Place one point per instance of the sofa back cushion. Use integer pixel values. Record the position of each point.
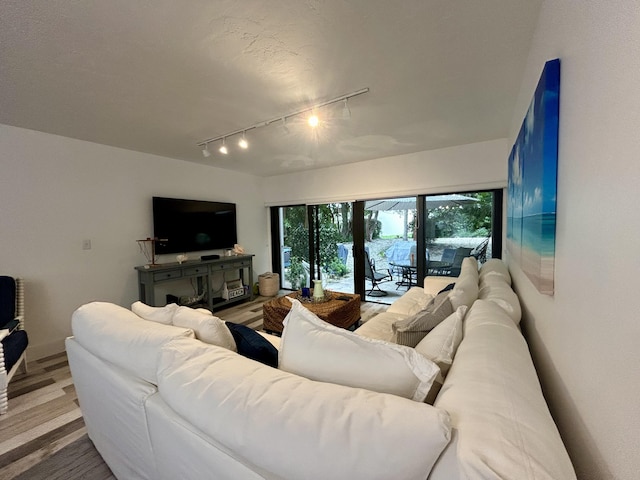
(496, 289)
(465, 290)
(294, 427)
(315, 349)
(119, 336)
(492, 392)
(495, 267)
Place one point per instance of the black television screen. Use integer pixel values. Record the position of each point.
(193, 225)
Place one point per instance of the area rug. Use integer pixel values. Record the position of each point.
(77, 461)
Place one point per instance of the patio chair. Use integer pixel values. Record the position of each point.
(442, 266)
(12, 335)
(480, 252)
(461, 254)
(374, 277)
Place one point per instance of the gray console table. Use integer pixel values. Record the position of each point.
(202, 270)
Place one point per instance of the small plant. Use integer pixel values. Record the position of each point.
(296, 274)
(337, 268)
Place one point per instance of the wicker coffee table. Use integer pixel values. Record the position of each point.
(340, 309)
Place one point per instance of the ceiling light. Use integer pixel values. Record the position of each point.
(313, 121)
(205, 151)
(285, 129)
(243, 142)
(346, 113)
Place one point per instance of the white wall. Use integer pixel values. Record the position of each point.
(467, 167)
(586, 338)
(55, 192)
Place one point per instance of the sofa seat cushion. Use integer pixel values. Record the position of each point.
(434, 284)
(294, 427)
(380, 327)
(411, 302)
(317, 350)
(119, 336)
(492, 393)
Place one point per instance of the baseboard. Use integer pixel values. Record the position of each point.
(37, 352)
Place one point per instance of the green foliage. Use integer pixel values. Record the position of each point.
(296, 274)
(470, 220)
(296, 236)
(337, 268)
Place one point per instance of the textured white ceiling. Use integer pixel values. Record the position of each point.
(160, 76)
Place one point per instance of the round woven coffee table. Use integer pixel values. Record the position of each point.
(339, 309)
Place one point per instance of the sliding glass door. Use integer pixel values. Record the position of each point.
(381, 248)
(461, 225)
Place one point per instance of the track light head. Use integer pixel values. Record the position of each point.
(243, 142)
(346, 113)
(223, 148)
(285, 129)
(205, 151)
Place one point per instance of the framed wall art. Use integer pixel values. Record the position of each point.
(532, 184)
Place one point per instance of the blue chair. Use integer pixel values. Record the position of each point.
(13, 337)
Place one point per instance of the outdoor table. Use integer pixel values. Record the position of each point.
(409, 271)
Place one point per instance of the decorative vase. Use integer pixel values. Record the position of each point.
(318, 292)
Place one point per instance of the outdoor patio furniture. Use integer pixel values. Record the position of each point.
(461, 254)
(375, 277)
(409, 274)
(480, 252)
(442, 266)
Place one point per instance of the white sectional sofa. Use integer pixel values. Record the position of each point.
(161, 404)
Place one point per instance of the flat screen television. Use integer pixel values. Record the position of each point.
(193, 225)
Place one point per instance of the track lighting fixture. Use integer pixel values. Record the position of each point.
(205, 151)
(346, 113)
(285, 129)
(243, 142)
(313, 122)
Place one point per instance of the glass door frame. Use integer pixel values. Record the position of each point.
(358, 231)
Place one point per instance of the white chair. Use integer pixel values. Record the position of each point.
(13, 337)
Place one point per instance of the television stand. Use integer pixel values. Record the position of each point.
(240, 265)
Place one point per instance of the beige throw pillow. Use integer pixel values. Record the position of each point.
(409, 331)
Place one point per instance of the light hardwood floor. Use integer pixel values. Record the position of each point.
(44, 415)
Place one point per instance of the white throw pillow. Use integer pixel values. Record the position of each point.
(319, 351)
(208, 329)
(162, 315)
(441, 343)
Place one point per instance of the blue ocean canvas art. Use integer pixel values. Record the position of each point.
(532, 185)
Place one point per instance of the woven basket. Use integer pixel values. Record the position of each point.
(269, 284)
